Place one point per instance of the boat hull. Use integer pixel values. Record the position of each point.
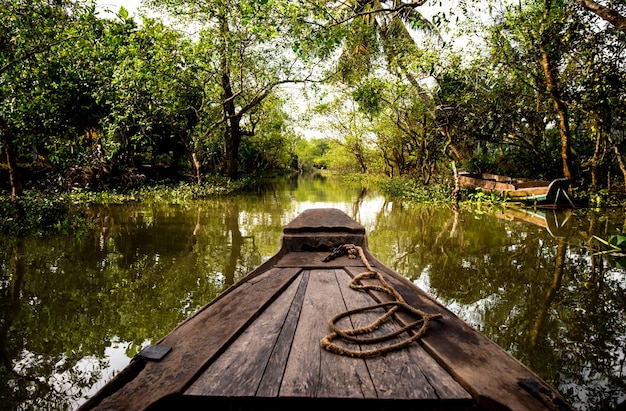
(536, 192)
(259, 345)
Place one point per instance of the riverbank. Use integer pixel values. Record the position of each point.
(50, 208)
(42, 210)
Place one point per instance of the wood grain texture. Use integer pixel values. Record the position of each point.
(239, 370)
(315, 260)
(312, 371)
(275, 370)
(409, 373)
(482, 367)
(257, 345)
(196, 342)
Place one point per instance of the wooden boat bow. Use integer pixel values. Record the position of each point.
(257, 345)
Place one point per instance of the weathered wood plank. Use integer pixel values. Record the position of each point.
(312, 371)
(316, 220)
(482, 367)
(275, 370)
(410, 373)
(238, 371)
(196, 342)
(315, 260)
(287, 362)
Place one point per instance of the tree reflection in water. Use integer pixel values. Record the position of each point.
(76, 308)
(548, 300)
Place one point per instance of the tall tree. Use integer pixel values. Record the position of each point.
(249, 49)
(38, 82)
(151, 93)
(383, 29)
(348, 128)
(534, 39)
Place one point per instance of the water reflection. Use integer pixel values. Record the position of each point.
(541, 294)
(76, 309)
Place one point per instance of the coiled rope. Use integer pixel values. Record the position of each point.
(417, 327)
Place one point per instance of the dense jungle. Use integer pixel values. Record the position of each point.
(140, 147)
(98, 100)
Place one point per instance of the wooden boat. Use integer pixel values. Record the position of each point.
(259, 344)
(536, 192)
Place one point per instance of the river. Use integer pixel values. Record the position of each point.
(76, 308)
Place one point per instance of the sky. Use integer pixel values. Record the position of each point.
(114, 5)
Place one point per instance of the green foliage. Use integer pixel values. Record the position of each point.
(369, 96)
(79, 93)
(615, 247)
(45, 82)
(480, 203)
(414, 191)
(39, 213)
(181, 192)
(311, 153)
(272, 145)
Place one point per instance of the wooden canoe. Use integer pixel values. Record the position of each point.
(257, 345)
(536, 192)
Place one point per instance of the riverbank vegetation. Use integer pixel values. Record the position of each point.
(209, 91)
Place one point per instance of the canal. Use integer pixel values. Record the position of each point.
(76, 308)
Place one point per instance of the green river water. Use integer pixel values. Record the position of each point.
(76, 309)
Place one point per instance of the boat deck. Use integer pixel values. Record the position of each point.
(257, 346)
(283, 356)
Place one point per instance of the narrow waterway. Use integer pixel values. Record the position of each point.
(76, 309)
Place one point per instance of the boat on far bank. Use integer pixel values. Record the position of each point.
(555, 193)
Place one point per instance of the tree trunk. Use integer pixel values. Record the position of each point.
(618, 154)
(198, 166)
(561, 109)
(232, 167)
(233, 133)
(456, 192)
(595, 160)
(15, 173)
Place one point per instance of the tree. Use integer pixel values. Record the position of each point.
(550, 49)
(272, 147)
(311, 152)
(40, 83)
(533, 38)
(384, 29)
(611, 14)
(249, 52)
(348, 128)
(405, 136)
(151, 94)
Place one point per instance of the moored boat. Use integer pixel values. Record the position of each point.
(535, 192)
(324, 323)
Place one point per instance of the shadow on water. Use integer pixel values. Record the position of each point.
(75, 309)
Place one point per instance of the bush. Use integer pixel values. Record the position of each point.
(415, 191)
(37, 213)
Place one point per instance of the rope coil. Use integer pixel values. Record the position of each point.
(418, 327)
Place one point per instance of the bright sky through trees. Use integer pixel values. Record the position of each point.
(114, 5)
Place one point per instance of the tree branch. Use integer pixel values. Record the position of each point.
(606, 13)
